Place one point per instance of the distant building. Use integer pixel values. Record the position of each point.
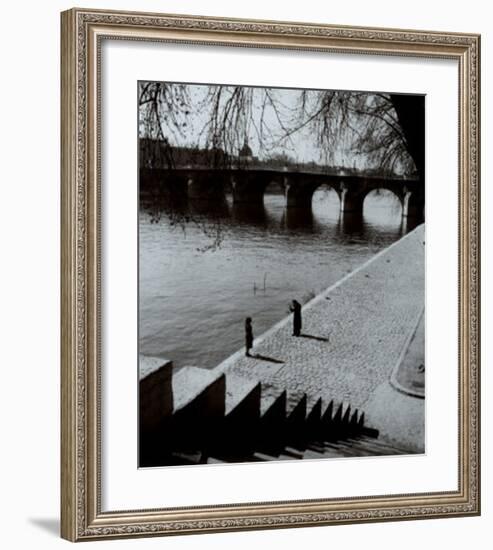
(245, 154)
(158, 154)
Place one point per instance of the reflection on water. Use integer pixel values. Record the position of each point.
(298, 219)
(194, 296)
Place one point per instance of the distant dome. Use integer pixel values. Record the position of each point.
(246, 151)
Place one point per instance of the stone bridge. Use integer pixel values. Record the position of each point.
(248, 185)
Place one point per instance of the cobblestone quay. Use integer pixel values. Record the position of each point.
(353, 333)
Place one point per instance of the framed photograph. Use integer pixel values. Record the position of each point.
(270, 274)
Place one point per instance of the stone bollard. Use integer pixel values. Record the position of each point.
(347, 415)
(155, 392)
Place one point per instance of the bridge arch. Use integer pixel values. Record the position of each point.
(383, 198)
(411, 201)
(250, 187)
(326, 201)
(299, 194)
(205, 185)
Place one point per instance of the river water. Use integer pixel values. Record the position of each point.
(198, 281)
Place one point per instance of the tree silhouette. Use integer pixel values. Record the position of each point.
(386, 129)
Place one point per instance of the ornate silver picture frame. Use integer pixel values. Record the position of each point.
(83, 516)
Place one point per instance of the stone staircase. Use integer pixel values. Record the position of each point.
(222, 417)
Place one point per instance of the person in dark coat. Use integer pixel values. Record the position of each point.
(295, 308)
(248, 336)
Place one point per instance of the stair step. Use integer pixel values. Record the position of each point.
(348, 450)
(212, 460)
(187, 457)
(335, 448)
(313, 454)
(149, 365)
(239, 389)
(379, 443)
(298, 448)
(295, 403)
(314, 411)
(336, 453)
(383, 448)
(284, 456)
(269, 396)
(371, 448)
(294, 452)
(332, 451)
(316, 448)
(155, 392)
(263, 456)
(191, 382)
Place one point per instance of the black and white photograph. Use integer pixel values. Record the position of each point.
(281, 274)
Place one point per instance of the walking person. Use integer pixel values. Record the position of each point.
(248, 336)
(295, 308)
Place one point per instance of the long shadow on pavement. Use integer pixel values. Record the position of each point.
(312, 337)
(265, 358)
